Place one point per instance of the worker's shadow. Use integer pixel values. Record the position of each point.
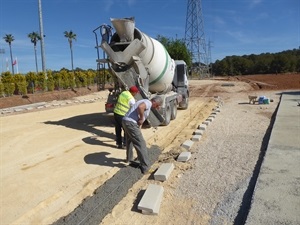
(91, 123)
(100, 158)
(94, 140)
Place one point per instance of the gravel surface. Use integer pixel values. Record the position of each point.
(227, 160)
(216, 185)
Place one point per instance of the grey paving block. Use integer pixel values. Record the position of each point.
(18, 109)
(187, 144)
(164, 171)
(210, 119)
(216, 97)
(198, 132)
(151, 200)
(7, 111)
(206, 122)
(184, 156)
(202, 127)
(196, 137)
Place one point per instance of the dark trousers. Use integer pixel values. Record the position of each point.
(118, 129)
(134, 137)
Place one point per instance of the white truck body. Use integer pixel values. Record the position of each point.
(137, 59)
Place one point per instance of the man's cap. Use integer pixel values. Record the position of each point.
(134, 89)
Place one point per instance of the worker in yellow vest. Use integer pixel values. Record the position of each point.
(125, 101)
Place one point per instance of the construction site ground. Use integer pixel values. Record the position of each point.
(54, 157)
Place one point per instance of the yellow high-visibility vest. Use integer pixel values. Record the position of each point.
(122, 105)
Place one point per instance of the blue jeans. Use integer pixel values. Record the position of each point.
(135, 138)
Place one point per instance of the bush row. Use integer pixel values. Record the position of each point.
(31, 82)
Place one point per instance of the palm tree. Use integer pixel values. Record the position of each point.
(9, 39)
(70, 35)
(35, 37)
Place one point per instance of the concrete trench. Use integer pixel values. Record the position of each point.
(93, 209)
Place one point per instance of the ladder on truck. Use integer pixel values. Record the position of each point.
(101, 62)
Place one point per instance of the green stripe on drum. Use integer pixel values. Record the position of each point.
(164, 70)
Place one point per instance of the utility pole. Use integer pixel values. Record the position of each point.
(195, 38)
(2, 52)
(42, 37)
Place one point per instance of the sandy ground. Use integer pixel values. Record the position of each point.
(48, 166)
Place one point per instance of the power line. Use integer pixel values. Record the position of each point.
(195, 38)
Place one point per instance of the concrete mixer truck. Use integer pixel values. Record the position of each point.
(137, 59)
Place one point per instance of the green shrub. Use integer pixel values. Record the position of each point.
(50, 82)
(1, 89)
(20, 84)
(41, 83)
(8, 83)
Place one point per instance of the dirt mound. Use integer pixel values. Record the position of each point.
(272, 81)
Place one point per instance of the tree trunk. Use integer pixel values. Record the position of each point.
(12, 62)
(36, 64)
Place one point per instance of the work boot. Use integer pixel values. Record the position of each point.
(120, 146)
(134, 163)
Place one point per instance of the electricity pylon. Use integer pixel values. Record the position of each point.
(195, 38)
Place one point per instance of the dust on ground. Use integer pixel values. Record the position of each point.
(84, 157)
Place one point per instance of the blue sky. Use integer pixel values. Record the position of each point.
(234, 27)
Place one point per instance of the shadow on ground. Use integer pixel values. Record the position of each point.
(102, 159)
(91, 123)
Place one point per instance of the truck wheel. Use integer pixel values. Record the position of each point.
(167, 115)
(173, 110)
(185, 103)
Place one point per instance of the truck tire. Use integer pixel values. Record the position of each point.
(185, 103)
(173, 110)
(167, 115)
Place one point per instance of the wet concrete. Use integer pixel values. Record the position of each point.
(93, 209)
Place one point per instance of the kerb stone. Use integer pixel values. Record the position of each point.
(164, 171)
(184, 156)
(196, 137)
(151, 200)
(187, 144)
